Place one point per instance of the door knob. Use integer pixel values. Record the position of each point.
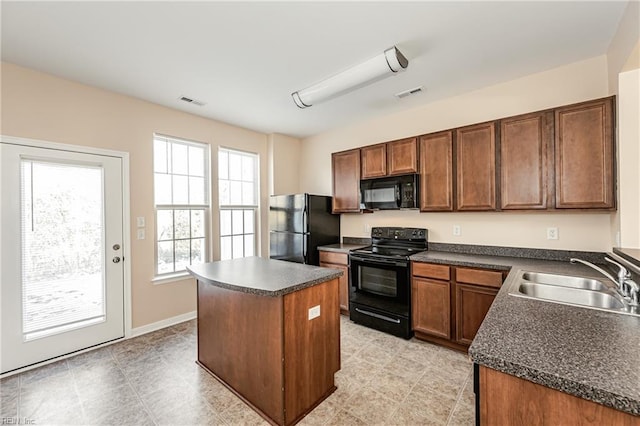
(116, 246)
(116, 259)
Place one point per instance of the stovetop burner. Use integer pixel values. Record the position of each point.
(393, 242)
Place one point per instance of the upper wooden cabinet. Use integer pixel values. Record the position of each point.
(436, 172)
(584, 155)
(526, 158)
(345, 167)
(476, 167)
(402, 157)
(374, 161)
(392, 158)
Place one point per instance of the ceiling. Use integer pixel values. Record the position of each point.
(244, 59)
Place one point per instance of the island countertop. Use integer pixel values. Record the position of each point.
(260, 276)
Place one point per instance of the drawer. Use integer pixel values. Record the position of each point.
(430, 270)
(334, 257)
(479, 276)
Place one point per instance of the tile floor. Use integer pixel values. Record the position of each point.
(153, 380)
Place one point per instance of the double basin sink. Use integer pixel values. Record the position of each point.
(571, 290)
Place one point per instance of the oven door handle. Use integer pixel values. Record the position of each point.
(378, 261)
(382, 317)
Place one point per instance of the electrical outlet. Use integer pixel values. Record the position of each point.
(552, 233)
(457, 231)
(367, 228)
(141, 234)
(314, 312)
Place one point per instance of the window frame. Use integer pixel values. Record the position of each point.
(231, 207)
(205, 207)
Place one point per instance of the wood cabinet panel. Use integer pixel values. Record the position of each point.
(584, 155)
(479, 277)
(251, 358)
(509, 400)
(402, 157)
(339, 261)
(345, 168)
(314, 367)
(476, 167)
(374, 161)
(430, 270)
(431, 307)
(525, 152)
(472, 304)
(436, 172)
(334, 257)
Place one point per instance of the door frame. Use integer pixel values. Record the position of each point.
(126, 219)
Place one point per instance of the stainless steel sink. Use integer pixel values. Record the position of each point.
(557, 293)
(571, 290)
(564, 280)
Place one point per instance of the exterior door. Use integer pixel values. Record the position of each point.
(62, 275)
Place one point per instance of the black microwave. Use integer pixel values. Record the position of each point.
(389, 193)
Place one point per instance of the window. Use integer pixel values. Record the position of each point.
(238, 197)
(181, 174)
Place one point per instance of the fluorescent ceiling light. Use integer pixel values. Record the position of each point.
(383, 65)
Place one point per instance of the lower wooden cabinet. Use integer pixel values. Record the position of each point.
(335, 260)
(431, 307)
(509, 400)
(449, 303)
(472, 304)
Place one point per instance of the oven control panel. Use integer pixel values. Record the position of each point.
(396, 233)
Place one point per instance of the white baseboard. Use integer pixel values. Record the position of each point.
(139, 331)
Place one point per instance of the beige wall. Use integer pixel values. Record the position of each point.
(568, 84)
(629, 158)
(623, 55)
(284, 155)
(623, 43)
(41, 106)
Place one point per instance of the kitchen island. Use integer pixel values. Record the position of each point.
(269, 330)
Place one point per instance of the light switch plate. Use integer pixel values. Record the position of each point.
(140, 221)
(314, 312)
(141, 234)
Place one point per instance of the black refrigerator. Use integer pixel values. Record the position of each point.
(298, 224)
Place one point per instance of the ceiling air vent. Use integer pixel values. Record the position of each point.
(191, 101)
(409, 92)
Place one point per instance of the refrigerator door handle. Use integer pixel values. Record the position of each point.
(304, 249)
(305, 212)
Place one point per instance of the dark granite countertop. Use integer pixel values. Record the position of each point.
(630, 254)
(265, 277)
(341, 247)
(584, 352)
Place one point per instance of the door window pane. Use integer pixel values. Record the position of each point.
(62, 228)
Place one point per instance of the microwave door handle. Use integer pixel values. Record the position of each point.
(398, 198)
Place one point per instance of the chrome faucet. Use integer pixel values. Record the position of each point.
(628, 288)
(599, 269)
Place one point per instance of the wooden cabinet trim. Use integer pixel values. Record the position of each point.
(402, 157)
(436, 171)
(526, 145)
(345, 168)
(334, 257)
(585, 172)
(476, 167)
(431, 270)
(469, 316)
(479, 277)
(374, 161)
(431, 307)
